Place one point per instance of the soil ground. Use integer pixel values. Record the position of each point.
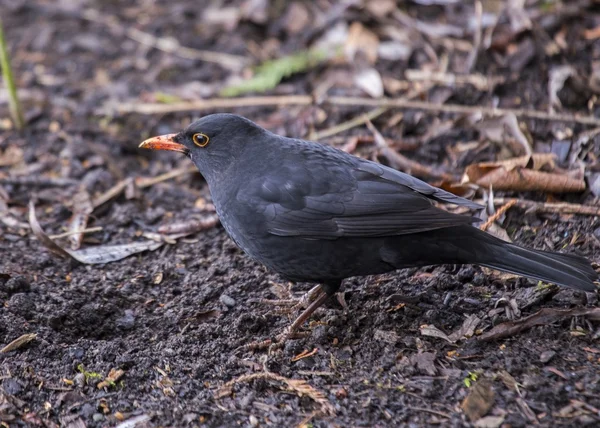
(176, 320)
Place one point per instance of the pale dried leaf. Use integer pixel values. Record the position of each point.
(394, 50)
(556, 81)
(369, 80)
(505, 129)
(489, 422)
(433, 331)
(95, 255)
(466, 330)
(81, 208)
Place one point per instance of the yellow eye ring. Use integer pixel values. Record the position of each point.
(200, 139)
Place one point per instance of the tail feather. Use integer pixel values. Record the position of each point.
(563, 269)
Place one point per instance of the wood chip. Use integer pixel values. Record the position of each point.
(18, 342)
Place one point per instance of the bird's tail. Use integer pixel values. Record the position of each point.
(562, 269)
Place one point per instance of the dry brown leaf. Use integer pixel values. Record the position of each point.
(11, 156)
(360, 39)
(479, 401)
(524, 174)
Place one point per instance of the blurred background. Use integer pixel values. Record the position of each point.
(492, 100)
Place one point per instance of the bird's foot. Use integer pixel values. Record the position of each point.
(316, 297)
(291, 305)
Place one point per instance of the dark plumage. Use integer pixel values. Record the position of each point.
(316, 214)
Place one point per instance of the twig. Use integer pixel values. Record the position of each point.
(498, 214)
(142, 182)
(550, 207)
(460, 109)
(480, 81)
(18, 342)
(472, 59)
(169, 45)
(34, 180)
(344, 126)
(13, 101)
(432, 411)
(208, 104)
(402, 162)
(75, 232)
(287, 100)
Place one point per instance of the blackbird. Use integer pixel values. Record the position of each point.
(314, 213)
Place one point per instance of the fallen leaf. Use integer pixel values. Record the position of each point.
(11, 156)
(556, 81)
(505, 130)
(360, 39)
(424, 362)
(524, 174)
(94, 255)
(489, 422)
(369, 80)
(433, 331)
(466, 330)
(479, 401)
(81, 208)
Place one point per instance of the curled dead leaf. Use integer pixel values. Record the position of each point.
(525, 173)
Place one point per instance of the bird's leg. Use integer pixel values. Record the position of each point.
(318, 295)
(321, 297)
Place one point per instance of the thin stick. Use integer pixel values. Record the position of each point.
(287, 100)
(75, 232)
(550, 207)
(344, 126)
(13, 101)
(498, 214)
(169, 45)
(208, 104)
(143, 182)
(460, 109)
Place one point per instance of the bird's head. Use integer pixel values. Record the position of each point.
(213, 143)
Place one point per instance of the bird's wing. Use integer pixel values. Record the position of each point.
(348, 199)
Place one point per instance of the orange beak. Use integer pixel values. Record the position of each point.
(164, 142)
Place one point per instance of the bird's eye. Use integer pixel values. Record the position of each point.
(200, 140)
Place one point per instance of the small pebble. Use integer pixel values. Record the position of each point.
(127, 321)
(227, 301)
(79, 380)
(547, 356)
(253, 421)
(97, 417)
(11, 386)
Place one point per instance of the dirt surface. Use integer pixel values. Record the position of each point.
(177, 320)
